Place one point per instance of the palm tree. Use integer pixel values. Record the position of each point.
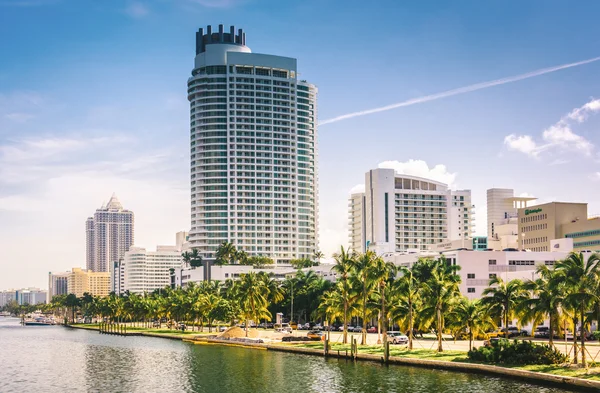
(383, 273)
(470, 314)
(318, 256)
(363, 276)
(440, 291)
(187, 258)
(405, 295)
(581, 280)
(343, 268)
(503, 298)
(226, 254)
(253, 298)
(545, 302)
(331, 306)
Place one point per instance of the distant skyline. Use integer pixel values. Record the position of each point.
(93, 101)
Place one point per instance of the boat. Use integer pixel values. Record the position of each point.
(40, 321)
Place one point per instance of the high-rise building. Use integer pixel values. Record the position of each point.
(57, 284)
(109, 234)
(401, 212)
(31, 296)
(253, 150)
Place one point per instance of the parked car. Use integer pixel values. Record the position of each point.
(514, 331)
(284, 328)
(397, 338)
(372, 329)
(222, 328)
(315, 335)
(305, 326)
(156, 324)
(542, 332)
(357, 329)
(568, 335)
(318, 326)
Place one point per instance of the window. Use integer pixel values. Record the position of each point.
(492, 262)
(492, 275)
(471, 275)
(471, 290)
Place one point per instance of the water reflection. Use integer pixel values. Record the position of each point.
(55, 359)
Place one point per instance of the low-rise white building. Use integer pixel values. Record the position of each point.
(146, 271)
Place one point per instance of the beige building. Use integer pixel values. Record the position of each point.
(585, 234)
(539, 224)
(82, 281)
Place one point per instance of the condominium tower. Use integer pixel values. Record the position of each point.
(109, 234)
(400, 212)
(253, 150)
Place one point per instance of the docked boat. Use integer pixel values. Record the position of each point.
(40, 321)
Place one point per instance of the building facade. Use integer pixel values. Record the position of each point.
(109, 234)
(7, 297)
(502, 217)
(58, 284)
(480, 243)
(401, 212)
(28, 296)
(82, 281)
(146, 271)
(253, 150)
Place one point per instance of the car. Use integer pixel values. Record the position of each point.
(156, 324)
(397, 338)
(318, 326)
(181, 326)
(542, 332)
(357, 329)
(283, 328)
(372, 329)
(514, 331)
(349, 328)
(223, 328)
(305, 326)
(568, 335)
(315, 335)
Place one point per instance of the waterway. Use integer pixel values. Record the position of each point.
(58, 359)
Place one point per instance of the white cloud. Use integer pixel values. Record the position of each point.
(522, 143)
(137, 10)
(19, 117)
(421, 169)
(357, 189)
(559, 136)
(595, 176)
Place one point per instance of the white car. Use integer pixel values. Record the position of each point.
(397, 338)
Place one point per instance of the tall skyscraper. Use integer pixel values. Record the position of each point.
(397, 213)
(253, 150)
(109, 234)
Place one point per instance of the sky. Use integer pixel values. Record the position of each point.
(93, 101)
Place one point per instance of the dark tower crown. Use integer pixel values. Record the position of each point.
(218, 38)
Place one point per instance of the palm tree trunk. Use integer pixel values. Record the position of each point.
(575, 354)
(551, 327)
(345, 322)
(506, 319)
(583, 360)
(470, 339)
(383, 318)
(363, 340)
(439, 328)
(410, 326)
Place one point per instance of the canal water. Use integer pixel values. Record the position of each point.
(57, 359)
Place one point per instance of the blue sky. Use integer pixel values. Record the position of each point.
(93, 101)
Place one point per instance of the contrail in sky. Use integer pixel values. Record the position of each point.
(460, 90)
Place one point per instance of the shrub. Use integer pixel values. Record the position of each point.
(517, 353)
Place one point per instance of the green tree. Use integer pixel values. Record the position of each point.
(440, 290)
(472, 316)
(405, 297)
(226, 254)
(365, 282)
(343, 268)
(503, 299)
(253, 298)
(581, 278)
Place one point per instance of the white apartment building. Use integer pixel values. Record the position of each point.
(502, 218)
(145, 271)
(253, 150)
(109, 234)
(401, 212)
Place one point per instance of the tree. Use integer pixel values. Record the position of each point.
(72, 302)
(405, 295)
(547, 295)
(581, 280)
(195, 258)
(363, 276)
(226, 254)
(318, 256)
(440, 290)
(301, 263)
(383, 273)
(503, 298)
(253, 299)
(472, 316)
(187, 258)
(343, 268)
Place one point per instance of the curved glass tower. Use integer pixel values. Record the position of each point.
(253, 150)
